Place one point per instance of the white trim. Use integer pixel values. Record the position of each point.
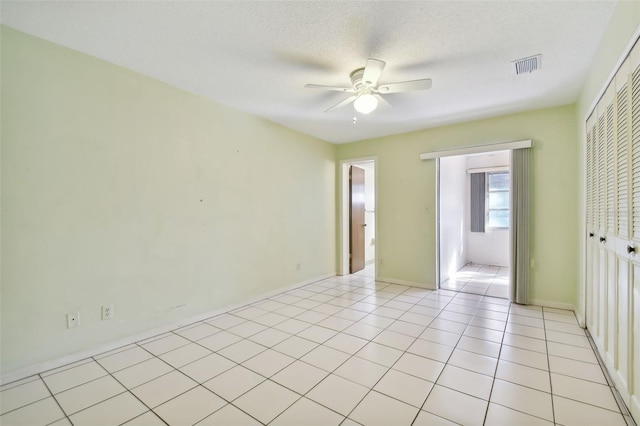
(40, 367)
(635, 406)
(614, 71)
(489, 169)
(478, 149)
(343, 267)
(437, 200)
(343, 208)
(553, 304)
(409, 283)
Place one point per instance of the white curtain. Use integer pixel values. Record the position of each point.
(519, 273)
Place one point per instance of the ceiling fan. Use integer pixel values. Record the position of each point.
(366, 91)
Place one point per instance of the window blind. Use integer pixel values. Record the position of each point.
(477, 201)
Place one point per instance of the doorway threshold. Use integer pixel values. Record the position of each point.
(485, 280)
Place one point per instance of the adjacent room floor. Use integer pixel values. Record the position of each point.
(486, 280)
(342, 351)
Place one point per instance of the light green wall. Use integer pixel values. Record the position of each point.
(624, 22)
(119, 189)
(406, 196)
(103, 171)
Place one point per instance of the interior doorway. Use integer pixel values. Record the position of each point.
(357, 219)
(474, 223)
(358, 234)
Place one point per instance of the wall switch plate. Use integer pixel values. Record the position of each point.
(107, 312)
(73, 319)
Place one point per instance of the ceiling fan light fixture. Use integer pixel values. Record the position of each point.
(365, 103)
(366, 93)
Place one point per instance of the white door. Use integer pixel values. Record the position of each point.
(633, 332)
(613, 229)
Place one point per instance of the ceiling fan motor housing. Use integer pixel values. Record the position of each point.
(356, 79)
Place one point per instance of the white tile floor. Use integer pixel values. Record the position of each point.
(343, 351)
(474, 278)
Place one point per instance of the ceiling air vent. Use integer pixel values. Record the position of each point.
(525, 65)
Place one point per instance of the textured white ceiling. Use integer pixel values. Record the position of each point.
(257, 56)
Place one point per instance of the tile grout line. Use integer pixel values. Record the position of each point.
(201, 384)
(332, 371)
(396, 361)
(32, 402)
(127, 390)
(173, 369)
(296, 359)
(440, 374)
(549, 371)
(188, 390)
(495, 372)
(622, 407)
(447, 362)
(370, 388)
(55, 399)
(371, 341)
(546, 344)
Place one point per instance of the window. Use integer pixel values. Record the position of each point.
(498, 195)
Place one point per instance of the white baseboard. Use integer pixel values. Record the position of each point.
(635, 407)
(552, 304)
(610, 364)
(30, 370)
(582, 321)
(404, 282)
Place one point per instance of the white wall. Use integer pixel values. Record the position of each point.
(118, 189)
(370, 214)
(453, 215)
(492, 246)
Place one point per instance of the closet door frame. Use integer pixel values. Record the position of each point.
(612, 219)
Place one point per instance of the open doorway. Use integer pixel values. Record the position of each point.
(358, 217)
(474, 227)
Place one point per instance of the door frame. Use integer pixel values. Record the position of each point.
(438, 215)
(477, 149)
(343, 208)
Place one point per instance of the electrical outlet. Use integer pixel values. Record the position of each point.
(107, 312)
(73, 319)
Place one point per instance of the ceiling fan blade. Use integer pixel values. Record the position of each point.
(342, 103)
(372, 71)
(405, 86)
(334, 88)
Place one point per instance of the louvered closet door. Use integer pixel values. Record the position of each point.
(608, 227)
(619, 353)
(593, 311)
(634, 219)
(613, 229)
(602, 254)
